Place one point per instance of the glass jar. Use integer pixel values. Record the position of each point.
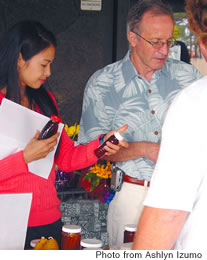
(50, 128)
(91, 243)
(71, 236)
(114, 139)
(129, 232)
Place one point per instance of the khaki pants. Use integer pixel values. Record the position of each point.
(125, 208)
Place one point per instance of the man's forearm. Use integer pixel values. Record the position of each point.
(158, 228)
(136, 150)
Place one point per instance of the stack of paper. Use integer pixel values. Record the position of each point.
(18, 126)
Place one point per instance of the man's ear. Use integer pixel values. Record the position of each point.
(20, 61)
(132, 37)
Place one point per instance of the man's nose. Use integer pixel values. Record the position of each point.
(164, 49)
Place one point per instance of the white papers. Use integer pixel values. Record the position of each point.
(18, 126)
(7, 146)
(14, 216)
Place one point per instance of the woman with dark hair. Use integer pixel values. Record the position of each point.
(184, 54)
(26, 53)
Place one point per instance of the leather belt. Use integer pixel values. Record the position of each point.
(133, 180)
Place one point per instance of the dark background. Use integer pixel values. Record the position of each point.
(87, 41)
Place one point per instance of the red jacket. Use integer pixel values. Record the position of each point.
(15, 177)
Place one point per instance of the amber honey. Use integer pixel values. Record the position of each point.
(71, 237)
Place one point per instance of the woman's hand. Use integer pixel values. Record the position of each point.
(113, 148)
(38, 149)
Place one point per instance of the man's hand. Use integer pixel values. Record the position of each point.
(136, 150)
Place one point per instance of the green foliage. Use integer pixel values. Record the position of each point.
(185, 34)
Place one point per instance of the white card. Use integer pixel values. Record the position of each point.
(15, 209)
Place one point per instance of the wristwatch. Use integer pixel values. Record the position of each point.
(101, 139)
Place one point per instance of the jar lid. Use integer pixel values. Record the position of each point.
(118, 136)
(34, 242)
(92, 248)
(91, 242)
(130, 227)
(71, 228)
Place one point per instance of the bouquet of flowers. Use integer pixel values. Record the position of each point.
(96, 179)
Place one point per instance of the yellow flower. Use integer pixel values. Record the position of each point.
(72, 131)
(100, 171)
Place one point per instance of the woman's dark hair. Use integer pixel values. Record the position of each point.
(28, 38)
(184, 55)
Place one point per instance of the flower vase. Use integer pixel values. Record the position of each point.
(65, 181)
(100, 191)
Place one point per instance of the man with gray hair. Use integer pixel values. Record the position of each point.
(136, 90)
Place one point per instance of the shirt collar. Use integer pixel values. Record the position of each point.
(129, 71)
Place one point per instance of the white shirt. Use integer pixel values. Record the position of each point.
(180, 177)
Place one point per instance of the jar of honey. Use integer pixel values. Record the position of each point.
(114, 139)
(50, 128)
(129, 232)
(71, 236)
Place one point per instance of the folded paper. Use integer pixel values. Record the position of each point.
(18, 126)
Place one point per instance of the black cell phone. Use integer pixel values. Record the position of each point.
(117, 178)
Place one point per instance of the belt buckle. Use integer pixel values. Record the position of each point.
(146, 183)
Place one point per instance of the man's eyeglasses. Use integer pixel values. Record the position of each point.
(157, 44)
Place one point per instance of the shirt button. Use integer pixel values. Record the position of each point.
(156, 132)
(153, 112)
(150, 91)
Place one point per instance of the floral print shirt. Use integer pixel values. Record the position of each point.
(118, 95)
